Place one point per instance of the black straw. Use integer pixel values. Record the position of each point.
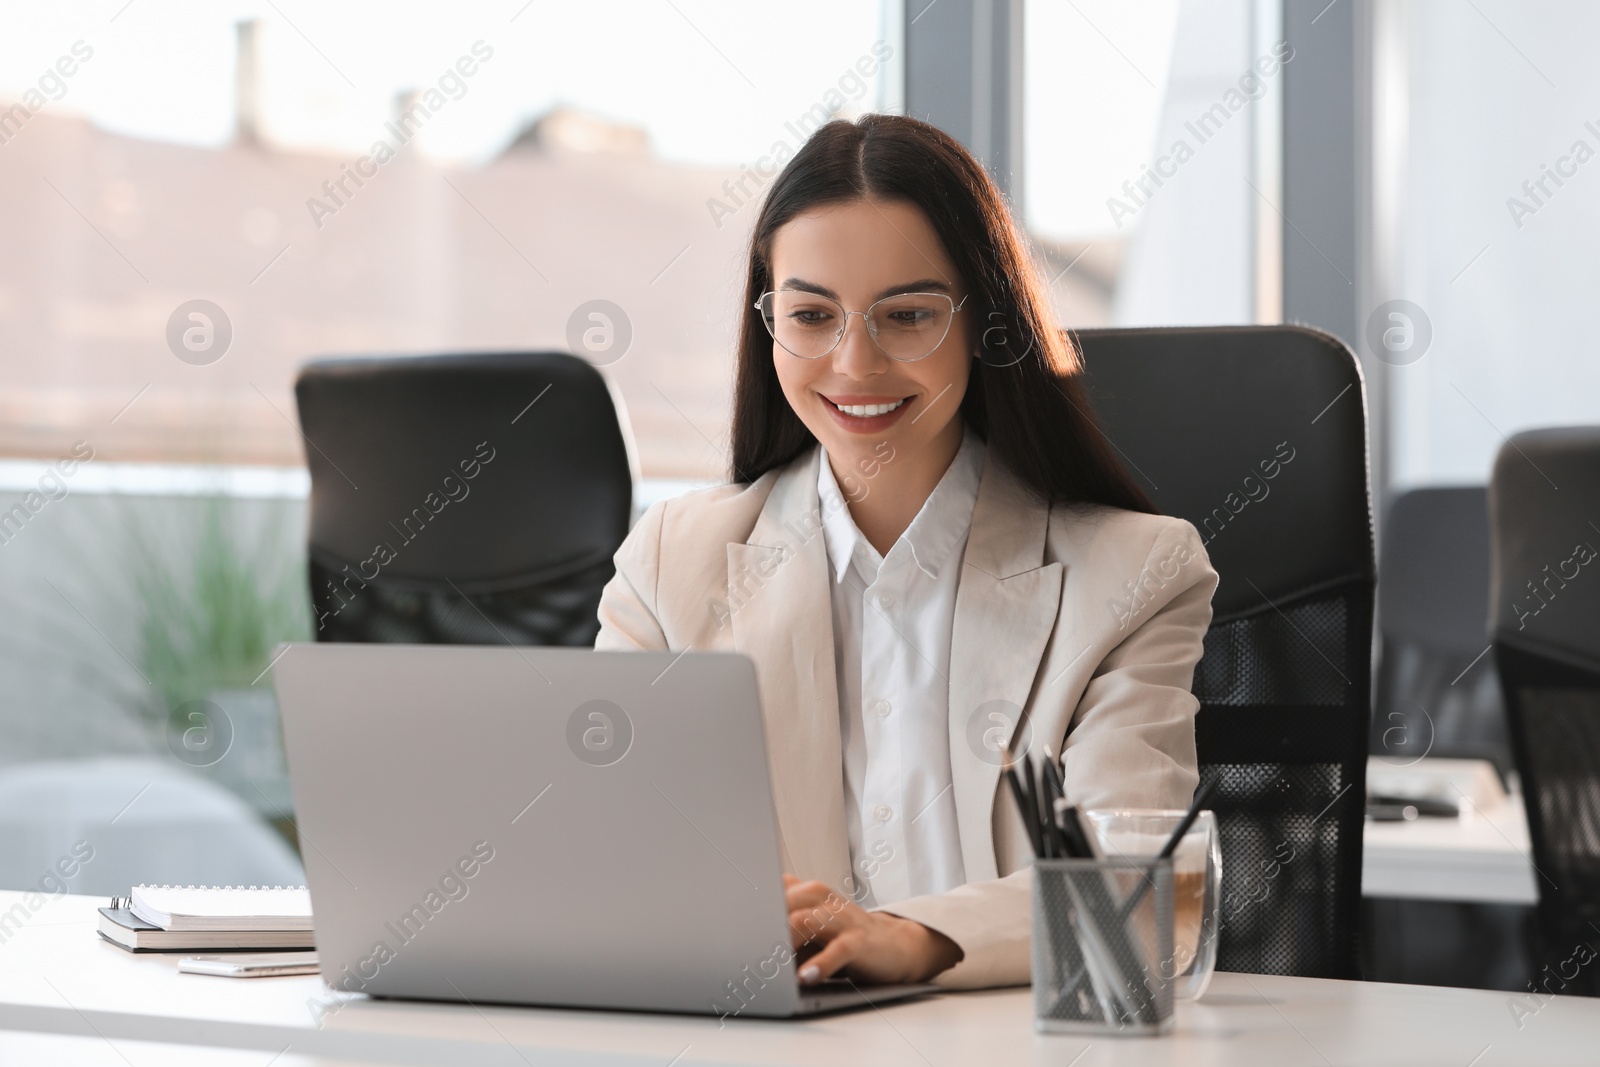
(1201, 795)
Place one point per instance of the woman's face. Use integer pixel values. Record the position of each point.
(856, 253)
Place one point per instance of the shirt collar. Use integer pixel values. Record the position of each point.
(937, 529)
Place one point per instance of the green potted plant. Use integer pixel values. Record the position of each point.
(212, 604)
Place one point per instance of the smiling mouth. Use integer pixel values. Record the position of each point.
(867, 411)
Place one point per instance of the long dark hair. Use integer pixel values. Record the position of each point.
(1025, 396)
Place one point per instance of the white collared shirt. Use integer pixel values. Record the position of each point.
(892, 620)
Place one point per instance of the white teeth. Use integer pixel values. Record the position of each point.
(867, 411)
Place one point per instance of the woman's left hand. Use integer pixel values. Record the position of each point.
(832, 935)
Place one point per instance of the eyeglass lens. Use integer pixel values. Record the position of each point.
(906, 327)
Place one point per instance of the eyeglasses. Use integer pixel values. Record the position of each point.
(907, 327)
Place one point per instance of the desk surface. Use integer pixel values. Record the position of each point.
(57, 977)
(1484, 855)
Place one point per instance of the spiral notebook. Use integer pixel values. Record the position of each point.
(222, 907)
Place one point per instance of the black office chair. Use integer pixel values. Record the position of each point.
(471, 499)
(1257, 436)
(1438, 693)
(1544, 508)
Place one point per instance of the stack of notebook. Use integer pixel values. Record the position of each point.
(161, 918)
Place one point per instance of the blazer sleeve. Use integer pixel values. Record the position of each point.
(1131, 741)
(628, 615)
(1130, 744)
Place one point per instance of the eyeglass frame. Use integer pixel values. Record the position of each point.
(866, 317)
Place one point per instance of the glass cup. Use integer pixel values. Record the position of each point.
(1197, 884)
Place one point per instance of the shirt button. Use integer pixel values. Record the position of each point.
(886, 601)
(881, 707)
(883, 812)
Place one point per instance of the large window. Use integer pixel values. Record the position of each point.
(369, 177)
(1487, 208)
(196, 198)
(1148, 128)
(1095, 75)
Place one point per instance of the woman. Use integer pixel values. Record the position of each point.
(931, 554)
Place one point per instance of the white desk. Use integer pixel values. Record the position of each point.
(57, 977)
(1482, 856)
(22, 1049)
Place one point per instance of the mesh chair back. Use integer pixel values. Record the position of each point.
(1544, 506)
(1438, 693)
(1257, 436)
(462, 499)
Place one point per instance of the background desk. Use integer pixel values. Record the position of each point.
(1483, 857)
(57, 977)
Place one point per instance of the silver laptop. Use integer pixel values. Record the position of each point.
(543, 826)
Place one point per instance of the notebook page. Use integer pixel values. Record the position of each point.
(223, 907)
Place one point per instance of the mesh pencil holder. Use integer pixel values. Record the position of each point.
(1101, 929)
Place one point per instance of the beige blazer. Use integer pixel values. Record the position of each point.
(1081, 623)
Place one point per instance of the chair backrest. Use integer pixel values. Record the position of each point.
(1544, 507)
(1438, 693)
(470, 499)
(1257, 436)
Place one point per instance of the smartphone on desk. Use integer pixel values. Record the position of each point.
(251, 965)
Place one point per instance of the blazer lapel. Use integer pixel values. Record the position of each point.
(1006, 610)
(782, 614)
